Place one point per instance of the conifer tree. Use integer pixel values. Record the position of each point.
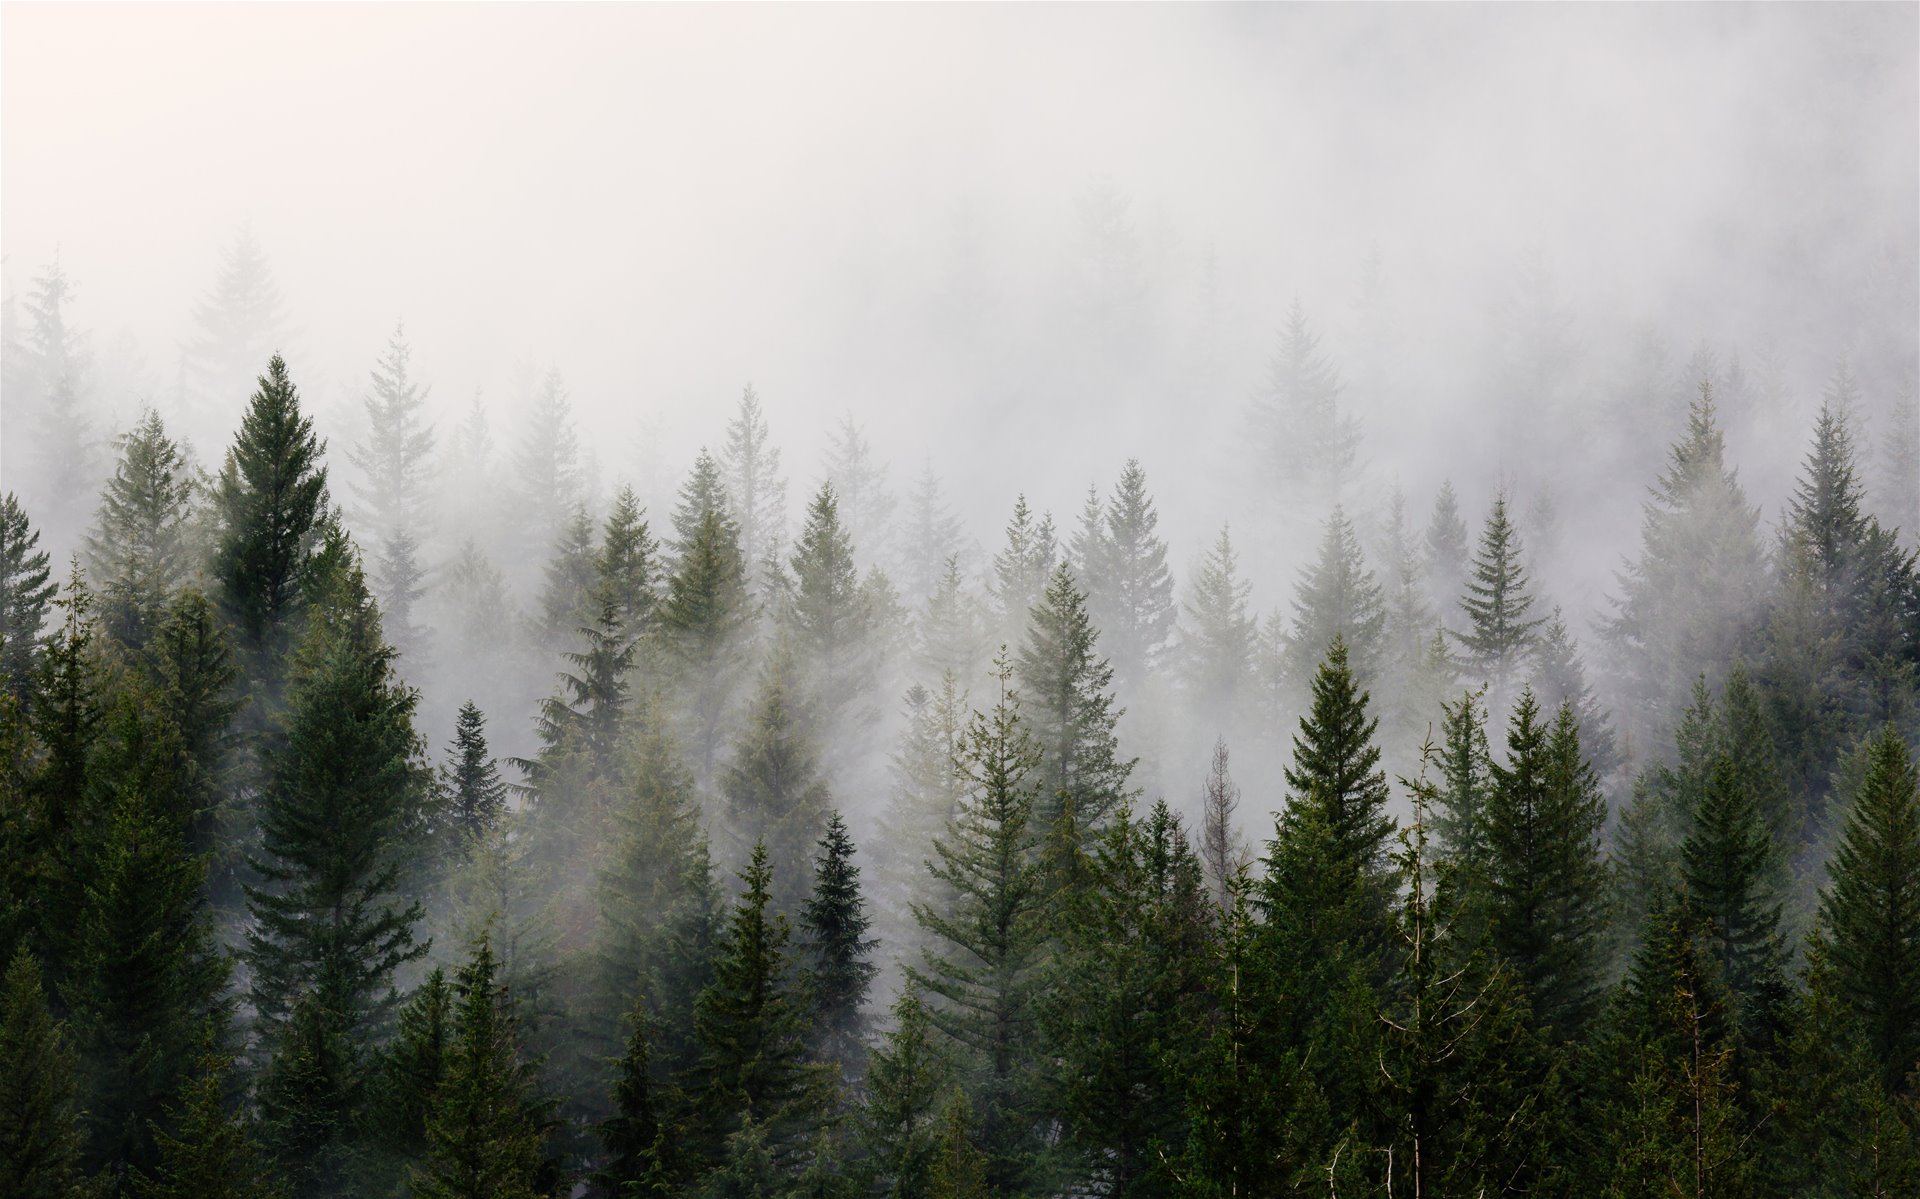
(1336, 776)
(1219, 636)
(393, 462)
(1068, 702)
(240, 322)
(930, 538)
(68, 718)
(40, 1140)
(484, 1134)
(1409, 616)
(774, 793)
(833, 925)
(1499, 636)
(1300, 427)
(1131, 593)
(752, 1029)
(1446, 550)
(986, 943)
(626, 567)
(637, 1136)
(755, 492)
(412, 1066)
(569, 597)
(952, 633)
(1870, 912)
(860, 485)
(1729, 867)
(1560, 677)
(1900, 463)
(703, 622)
(192, 673)
(960, 1170)
(909, 1074)
(548, 482)
(476, 795)
(271, 504)
(927, 789)
(1546, 882)
(207, 1151)
(580, 728)
(830, 622)
(1460, 800)
(1021, 570)
(26, 590)
(1337, 597)
(141, 548)
(342, 795)
(45, 380)
(1223, 852)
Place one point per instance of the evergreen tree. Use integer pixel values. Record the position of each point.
(1131, 594)
(986, 943)
(1546, 882)
(751, 1024)
(959, 1170)
(68, 718)
(1021, 570)
(1560, 677)
(1337, 597)
(1466, 778)
(141, 549)
(860, 485)
(1729, 867)
(271, 503)
(1900, 463)
(26, 590)
(569, 593)
(626, 568)
(1223, 852)
(1499, 636)
(755, 491)
(393, 462)
(702, 623)
(1069, 705)
(775, 795)
(484, 1134)
(1447, 553)
(910, 1072)
(548, 487)
(342, 795)
(952, 633)
(830, 622)
(45, 380)
(1409, 616)
(208, 1151)
(1218, 640)
(192, 676)
(580, 728)
(636, 1137)
(927, 789)
(412, 1066)
(930, 539)
(834, 924)
(40, 1138)
(476, 795)
(240, 322)
(1299, 426)
(1870, 913)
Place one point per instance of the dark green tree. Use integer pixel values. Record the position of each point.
(638, 1136)
(774, 793)
(909, 1074)
(1559, 676)
(476, 795)
(830, 622)
(1068, 702)
(704, 620)
(142, 546)
(1499, 636)
(1731, 872)
(1131, 596)
(40, 1139)
(1870, 912)
(67, 717)
(1466, 778)
(206, 1149)
(193, 672)
(26, 591)
(627, 567)
(410, 1068)
(833, 925)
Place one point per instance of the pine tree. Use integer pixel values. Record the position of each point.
(271, 504)
(703, 622)
(930, 539)
(952, 633)
(833, 926)
(830, 622)
(1131, 593)
(637, 1136)
(476, 795)
(40, 1140)
(751, 1025)
(1730, 871)
(240, 322)
(1870, 912)
(342, 793)
(45, 383)
(192, 677)
(927, 789)
(1560, 677)
(1447, 553)
(1021, 570)
(1337, 597)
(26, 590)
(959, 1169)
(1499, 637)
(485, 1132)
(1223, 851)
(394, 464)
(909, 1074)
(1466, 765)
(141, 548)
(756, 493)
(1688, 599)
(860, 484)
(626, 568)
(775, 795)
(1218, 640)
(1546, 882)
(208, 1151)
(1900, 459)
(68, 718)
(1069, 705)
(569, 595)
(1301, 431)
(986, 943)
(548, 485)
(411, 1067)
(581, 726)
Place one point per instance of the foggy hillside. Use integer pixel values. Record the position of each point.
(911, 600)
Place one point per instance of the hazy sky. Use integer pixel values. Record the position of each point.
(879, 209)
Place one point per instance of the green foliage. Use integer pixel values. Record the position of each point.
(141, 549)
(26, 590)
(1218, 641)
(1130, 590)
(626, 569)
(1499, 635)
(208, 1151)
(754, 491)
(833, 925)
(773, 789)
(476, 795)
(412, 1065)
(1021, 570)
(637, 1136)
(1729, 867)
(1068, 702)
(908, 1075)
(1337, 597)
(39, 1114)
(831, 623)
(705, 617)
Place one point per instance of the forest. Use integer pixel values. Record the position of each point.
(960, 602)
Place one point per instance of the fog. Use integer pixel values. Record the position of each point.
(1020, 244)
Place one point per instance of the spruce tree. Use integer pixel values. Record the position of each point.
(908, 1076)
(986, 941)
(773, 789)
(1446, 550)
(1499, 636)
(1337, 597)
(141, 549)
(411, 1067)
(960, 1170)
(580, 727)
(1870, 912)
(1560, 677)
(860, 486)
(626, 568)
(1130, 593)
(1336, 776)
(1068, 702)
(476, 795)
(1460, 802)
(207, 1150)
(931, 537)
(1218, 638)
(193, 672)
(702, 624)
(952, 631)
(26, 591)
(751, 1025)
(241, 321)
(1730, 870)
(568, 592)
(271, 505)
(755, 491)
(393, 463)
(830, 622)
(40, 1139)
(484, 1135)
(548, 484)
(342, 793)
(833, 926)
(637, 1137)
(68, 717)
(927, 789)
(1300, 428)
(1021, 570)
(1546, 882)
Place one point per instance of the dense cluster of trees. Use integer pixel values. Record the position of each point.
(1498, 938)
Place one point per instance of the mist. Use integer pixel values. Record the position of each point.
(1015, 249)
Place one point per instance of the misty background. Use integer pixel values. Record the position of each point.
(1016, 245)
